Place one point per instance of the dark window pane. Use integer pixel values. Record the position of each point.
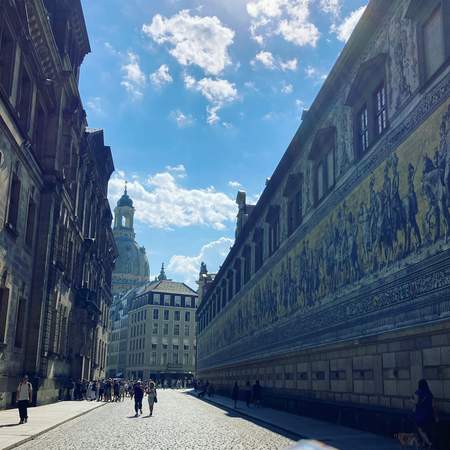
(433, 42)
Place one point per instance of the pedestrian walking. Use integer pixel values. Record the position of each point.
(235, 394)
(257, 394)
(24, 396)
(152, 396)
(248, 394)
(138, 396)
(424, 413)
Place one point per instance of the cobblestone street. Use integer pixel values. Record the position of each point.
(180, 421)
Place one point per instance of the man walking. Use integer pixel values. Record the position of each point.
(138, 396)
(24, 396)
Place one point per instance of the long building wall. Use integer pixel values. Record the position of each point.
(354, 304)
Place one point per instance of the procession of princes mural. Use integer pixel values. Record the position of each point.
(396, 214)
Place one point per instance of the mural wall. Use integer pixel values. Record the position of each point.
(397, 216)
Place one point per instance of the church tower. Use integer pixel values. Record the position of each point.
(132, 267)
(124, 216)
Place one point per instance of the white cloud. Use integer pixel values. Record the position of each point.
(266, 59)
(187, 268)
(202, 41)
(269, 61)
(178, 170)
(95, 105)
(235, 184)
(315, 74)
(250, 85)
(331, 6)
(133, 77)
(287, 88)
(217, 91)
(291, 64)
(289, 19)
(161, 76)
(161, 202)
(182, 120)
(344, 30)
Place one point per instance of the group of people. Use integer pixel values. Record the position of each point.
(116, 390)
(139, 390)
(251, 394)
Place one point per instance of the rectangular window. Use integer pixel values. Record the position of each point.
(154, 358)
(176, 315)
(187, 316)
(14, 198)
(259, 251)
(331, 173)
(175, 358)
(177, 300)
(7, 58)
(186, 359)
(295, 212)
(4, 302)
(274, 239)
(24, 99)
(247, 265)
(186, 348)
(320, 181)
(155, 314)
(363, 129)
(166, 329)
(380, 109)
(433, 42)
(176, 330)
(186, 330)
(20, 322)
(166, 314)
(155, 328)
(167, 300)
(30, 223)
(164, 359)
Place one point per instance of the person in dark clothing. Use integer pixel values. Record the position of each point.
(235, 394)
(248, 394)
(116, 391)
(138, 396)
(424, 413)
(257, 394)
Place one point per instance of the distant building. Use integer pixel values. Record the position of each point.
(162, 331)
(131, 272)
(132, 267)
(335, 295)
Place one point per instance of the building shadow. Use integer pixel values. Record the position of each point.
(241, 414)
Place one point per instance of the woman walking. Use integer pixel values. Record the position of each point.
(424, 413)
(152, 396)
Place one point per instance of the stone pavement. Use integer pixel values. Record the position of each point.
(179, 422)
(40, 420)
(342, 438)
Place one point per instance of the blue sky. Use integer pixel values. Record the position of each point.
(200, 98)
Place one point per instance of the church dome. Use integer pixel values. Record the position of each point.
(125, 200)
(132, 259)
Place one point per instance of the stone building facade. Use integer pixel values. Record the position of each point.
(335, 294)
(162, 331)
(56, 244)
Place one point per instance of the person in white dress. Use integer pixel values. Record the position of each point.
(152, 396)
